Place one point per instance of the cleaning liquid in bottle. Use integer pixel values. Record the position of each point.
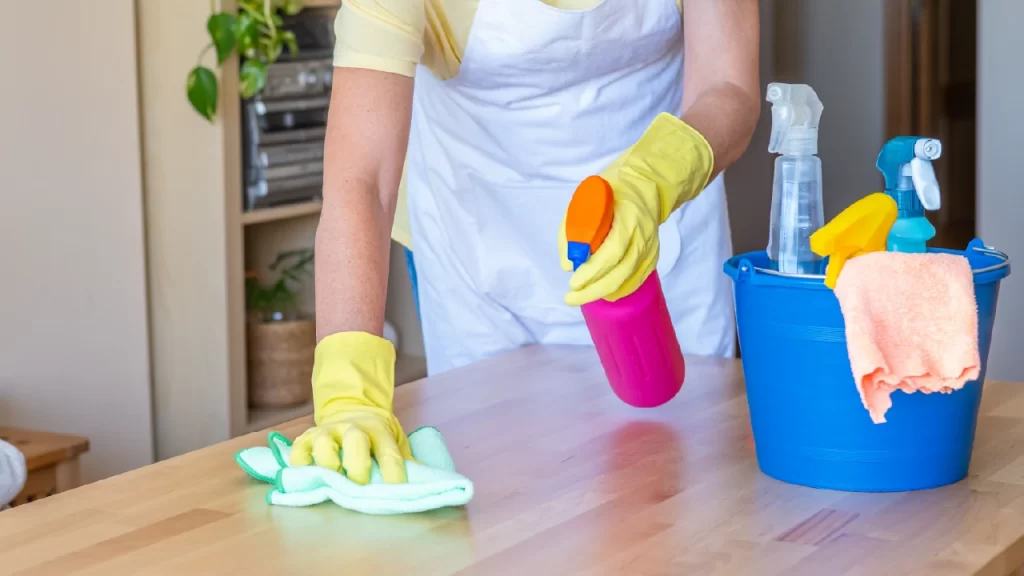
(906, 165)
(797, 210)
(634, 336)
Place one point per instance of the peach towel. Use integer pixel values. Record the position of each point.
(911, 324)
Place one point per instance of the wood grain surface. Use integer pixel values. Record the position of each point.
(568, 479)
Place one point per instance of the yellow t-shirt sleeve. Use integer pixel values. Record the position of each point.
(384, 35)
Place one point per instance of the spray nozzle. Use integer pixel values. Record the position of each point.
(906, 164)
(796, 112)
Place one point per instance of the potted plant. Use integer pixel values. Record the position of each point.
(281, 339)
(254, 33)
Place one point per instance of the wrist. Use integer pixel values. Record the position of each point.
(672, 157)
(350, 369)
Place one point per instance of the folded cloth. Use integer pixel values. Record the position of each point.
(911, 324)
(12, 473)
(432, 479)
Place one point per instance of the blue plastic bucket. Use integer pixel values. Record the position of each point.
(809, 425)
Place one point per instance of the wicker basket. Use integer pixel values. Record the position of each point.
(280, 363)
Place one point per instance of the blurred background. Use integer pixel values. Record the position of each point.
(156, 264)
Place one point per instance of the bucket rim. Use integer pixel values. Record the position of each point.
(975, 245)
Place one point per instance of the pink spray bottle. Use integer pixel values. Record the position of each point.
(634, 336)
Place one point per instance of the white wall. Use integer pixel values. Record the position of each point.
(1000, 194)
(74, 355)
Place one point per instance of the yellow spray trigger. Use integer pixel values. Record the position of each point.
(863, 227)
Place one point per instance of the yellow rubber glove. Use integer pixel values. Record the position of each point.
(353, 390)
(669, 165)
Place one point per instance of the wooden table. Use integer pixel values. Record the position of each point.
(568, 480)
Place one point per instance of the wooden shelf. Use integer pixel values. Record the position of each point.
(408, 369)
(267, 418)
(280, 213)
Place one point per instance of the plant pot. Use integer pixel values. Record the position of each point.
(280, 363)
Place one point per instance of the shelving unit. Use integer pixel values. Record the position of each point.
(200, 243)
(280, 213)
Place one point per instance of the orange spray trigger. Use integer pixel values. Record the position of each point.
(588, 218)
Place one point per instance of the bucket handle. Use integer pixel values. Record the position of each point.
(975, 245)
(745, 271)
(978, 246)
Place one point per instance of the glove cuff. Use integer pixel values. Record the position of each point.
(352, 368)
(693, 142)
(674, 156)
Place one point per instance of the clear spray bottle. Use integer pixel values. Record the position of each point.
(797, 210)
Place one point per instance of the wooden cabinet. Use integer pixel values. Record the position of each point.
(51, 460)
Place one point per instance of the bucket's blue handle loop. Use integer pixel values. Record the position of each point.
(742, 271)
(977, 249)
(745, 271)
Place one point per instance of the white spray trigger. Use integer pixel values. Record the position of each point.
(781, 119)
(796, 112)
(925, 184)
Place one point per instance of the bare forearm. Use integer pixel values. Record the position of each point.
(726, 115)
(352, 252)
(721, 90)
(367, 134)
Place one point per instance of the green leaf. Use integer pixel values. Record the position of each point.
(222, 28)
(252, 78)
(251, 9)
(276, 47)
(246, 33)
(269, 48)
(265, 45)
(288, 37)
(202, 91)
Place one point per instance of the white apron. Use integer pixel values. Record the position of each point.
(543, 98)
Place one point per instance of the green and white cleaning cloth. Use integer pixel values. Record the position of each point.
(433, 481)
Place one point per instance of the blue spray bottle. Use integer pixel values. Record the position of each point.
(906, 164)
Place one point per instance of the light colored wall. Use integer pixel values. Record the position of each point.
(1000, 194)
(843, 57)
(194, 237)
(74, 354)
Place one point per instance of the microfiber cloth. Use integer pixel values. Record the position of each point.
(433, 482)
(911, 324)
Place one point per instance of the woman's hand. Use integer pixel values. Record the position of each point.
(353, 390)
(669, 165)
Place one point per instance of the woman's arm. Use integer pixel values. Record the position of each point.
(721, 89)
(367, 135)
